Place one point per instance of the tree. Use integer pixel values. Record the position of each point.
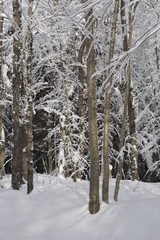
(128, 107)
(2, 147)
(92, 118)
(106, 172)
(131, 110)
(17, 80)
(29, 92)
(81, 77)
(127, 86)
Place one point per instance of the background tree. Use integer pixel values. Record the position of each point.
(17, 79)
(2, 147)
(29, 93)
(106, 172)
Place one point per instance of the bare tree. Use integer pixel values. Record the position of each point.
(17, 79)
(29, 116)
(128, 104)
(2, 147)
(81, 76)
(131, 110)
(92, 118)
(124, 117)
(106, 171)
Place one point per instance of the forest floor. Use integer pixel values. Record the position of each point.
(57, 209)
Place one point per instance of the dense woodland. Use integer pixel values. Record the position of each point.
(80, 91)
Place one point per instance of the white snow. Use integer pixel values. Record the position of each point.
(57, 209)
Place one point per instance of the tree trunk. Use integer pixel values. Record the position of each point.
(17, 79)
(124, 117)
(106, 171)
(122, 135)
(29, 130)
(2, 147)
(128, 108)
(81, 76)
(131, 112)
(92, 118)
(23, 141)
(157, 57)
(133, 140)
(68, 148)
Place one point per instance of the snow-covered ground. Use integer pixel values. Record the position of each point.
(57, 209)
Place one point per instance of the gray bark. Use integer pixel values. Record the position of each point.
(92, 118)
(2, 146)
(106, 172)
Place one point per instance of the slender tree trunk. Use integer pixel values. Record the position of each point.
(133, 140)
(157, 57)
(106, 171)
(131, 111)
(122, 135)
(92, 118)
(49, 146)
(128, 108)
(66, 160)
(124, 117)
(29, 129)
(23, 140)
(49, 156)
(22, 118)
(17, 79)
(81, 77)
(68, 148)
(2, 147)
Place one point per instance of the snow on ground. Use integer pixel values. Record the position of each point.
(57, 209)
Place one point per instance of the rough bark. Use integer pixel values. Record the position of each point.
(133, 140)
(2, 147)
(16, 78)
(68, 148)
(29, 130)
(92, 118)
(23, 144)
(81, 76)
(131, 111)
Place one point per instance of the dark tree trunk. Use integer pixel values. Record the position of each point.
(29, 129)
(17, 79)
